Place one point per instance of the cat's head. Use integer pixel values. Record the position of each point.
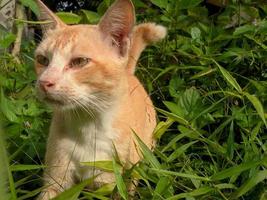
(84, 65)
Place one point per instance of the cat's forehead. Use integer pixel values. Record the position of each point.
(70, 36)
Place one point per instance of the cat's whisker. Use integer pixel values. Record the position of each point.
(100, 104)
(73, 103)
(83, 107)
(91, 104)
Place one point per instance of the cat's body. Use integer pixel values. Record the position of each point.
(77, 139)
(86, 72)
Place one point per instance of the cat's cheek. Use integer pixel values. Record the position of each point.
(39, 92)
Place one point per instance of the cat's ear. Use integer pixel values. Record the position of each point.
(48, 16)
(118, 23)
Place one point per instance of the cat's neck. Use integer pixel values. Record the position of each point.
(84, 127)
(84, 115)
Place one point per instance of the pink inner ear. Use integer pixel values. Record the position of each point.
(122, 44)
(118, 23)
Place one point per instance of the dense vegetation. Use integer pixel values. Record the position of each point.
(208, 82)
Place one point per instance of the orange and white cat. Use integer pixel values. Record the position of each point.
(86, 72)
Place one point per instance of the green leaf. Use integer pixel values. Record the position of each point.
(119, 181)
(225, 186)
(25, 167)
(179, 151)
(161, 187)
(244, 29)
(250, 183)
(176, 85)
(74, 192)
(258, 106)
(188, 106)
(91, 17)
(106, 188)
(174, 141)
(179, 174)
(147, 153)
(230, 142)
(194, 193)
(7, 40)
(255, 131)
(7, 108)
(234, 171)
(69, 18)
(191, 103)
(93, 195)
(162, 127)
(174, 108)
(195, 33)
(32, 5)
(5, 172)
(203, 73)
(32, 193)
(106, 165)
(139, 4)
(173, 116)
(185, 4)
(160, 3)
(229, 78)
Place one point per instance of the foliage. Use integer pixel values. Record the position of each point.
(208, 82)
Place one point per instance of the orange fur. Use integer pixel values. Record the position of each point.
(99, 103)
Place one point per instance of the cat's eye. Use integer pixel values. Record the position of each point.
(79, 62)
(42, 60)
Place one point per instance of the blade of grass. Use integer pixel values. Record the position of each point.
(202, 73)
(162, 186)
(119, 181)
(174, 141)
(74, 192)
(32, 193)
(258, 106)
(147, 153)
(194, 193)
(179, 151)
(106, 165)
(4, 172)
(184, 175)
(162, 127)
(173, 116)
(228, 77)
(250, 183)
(92, 195)
(105, 189)
(233, 171)
(230, 142)
(25, 167)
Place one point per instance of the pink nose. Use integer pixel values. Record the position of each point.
(46, 85)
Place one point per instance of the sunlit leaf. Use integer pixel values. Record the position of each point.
(69, 18)
(258, 106)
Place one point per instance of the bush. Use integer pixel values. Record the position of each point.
(208, 82)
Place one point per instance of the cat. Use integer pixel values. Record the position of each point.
(86, 73)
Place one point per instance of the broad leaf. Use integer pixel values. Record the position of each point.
(69, 18)
(32, 5)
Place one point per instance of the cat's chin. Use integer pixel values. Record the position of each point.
(63, 106)
(53, 102)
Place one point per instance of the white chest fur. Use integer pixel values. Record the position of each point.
(87, 140)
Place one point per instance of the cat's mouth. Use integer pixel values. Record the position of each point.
(50, 98)
(53, 101)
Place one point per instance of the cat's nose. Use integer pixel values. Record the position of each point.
(46, 85)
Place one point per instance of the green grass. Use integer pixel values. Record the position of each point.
(208, 81)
